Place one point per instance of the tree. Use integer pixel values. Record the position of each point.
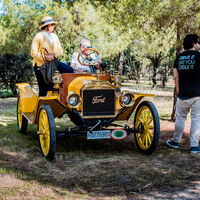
(149, 28)
(155, 60)
(15, 69)
(80, 19)
(132, 64)
(185, 15)
(139, 18)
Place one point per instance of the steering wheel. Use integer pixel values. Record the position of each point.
(90, 58)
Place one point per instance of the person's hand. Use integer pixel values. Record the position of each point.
(79, 70)
(48, 57)
(99, 65)
(52, 54)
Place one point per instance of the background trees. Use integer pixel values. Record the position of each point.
(132, 35)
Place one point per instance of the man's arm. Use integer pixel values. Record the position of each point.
(73, 65)
(176, 78)
(73, 62)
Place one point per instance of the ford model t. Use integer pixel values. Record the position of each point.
(95, 104)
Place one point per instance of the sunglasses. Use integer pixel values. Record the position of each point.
(89, 47)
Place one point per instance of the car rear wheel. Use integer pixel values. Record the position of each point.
(47, 132)
(147, 127)
(22, 122)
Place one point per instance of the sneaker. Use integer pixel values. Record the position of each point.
(172, 144)
(195, 149)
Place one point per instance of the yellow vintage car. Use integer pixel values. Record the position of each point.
(96, 105)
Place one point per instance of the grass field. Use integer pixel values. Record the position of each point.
(94, 169)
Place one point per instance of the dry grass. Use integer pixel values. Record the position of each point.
(94, 169)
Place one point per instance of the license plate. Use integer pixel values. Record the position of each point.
(93, 135)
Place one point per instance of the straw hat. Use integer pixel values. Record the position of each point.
(47, 20)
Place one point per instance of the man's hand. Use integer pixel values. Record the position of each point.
(99, 65)
(79, 70)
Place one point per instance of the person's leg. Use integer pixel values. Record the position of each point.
(182, 109)
(43, 88)
(64, 68)
(195, 123)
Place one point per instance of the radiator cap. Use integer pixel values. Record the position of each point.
(118, 134)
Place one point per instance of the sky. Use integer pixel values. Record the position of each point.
(1, 7)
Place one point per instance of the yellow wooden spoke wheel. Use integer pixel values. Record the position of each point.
(47, 132)
(147, 127)
(22, 122)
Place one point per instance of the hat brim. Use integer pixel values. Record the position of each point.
(47, 24)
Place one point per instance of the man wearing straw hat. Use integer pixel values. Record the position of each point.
(48, 40)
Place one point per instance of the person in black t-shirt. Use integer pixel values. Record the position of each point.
(187, 82)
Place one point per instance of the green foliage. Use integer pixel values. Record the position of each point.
(79, 20)
(148, 28)
(132, 65)
(15, 69)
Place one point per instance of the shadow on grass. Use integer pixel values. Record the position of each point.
(100, 168)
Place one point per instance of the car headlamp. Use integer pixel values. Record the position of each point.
(73, 100)
(127, 99)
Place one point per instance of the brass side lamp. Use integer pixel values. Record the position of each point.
(57, 79)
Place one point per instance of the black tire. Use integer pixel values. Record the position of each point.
(47, 132)
(22, 122)
(148, 133)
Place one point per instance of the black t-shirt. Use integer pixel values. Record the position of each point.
(188, 66)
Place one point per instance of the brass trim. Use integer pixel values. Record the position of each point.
(132, 100)
(97, 84)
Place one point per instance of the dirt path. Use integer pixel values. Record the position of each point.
(7, 103)
(192, 191)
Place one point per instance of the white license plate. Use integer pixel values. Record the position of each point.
(105, 134)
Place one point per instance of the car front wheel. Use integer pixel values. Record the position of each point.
(47, 132)
(147, 127)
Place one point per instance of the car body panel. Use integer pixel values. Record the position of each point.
(76, 83)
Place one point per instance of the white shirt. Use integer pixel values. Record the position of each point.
(74, 59)
(84, 68)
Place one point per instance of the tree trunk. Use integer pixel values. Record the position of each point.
(164, 78)
(137, 72)
(173, 116)
(137, 78)
(163, 82)
(121, 62)
(154, 77)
